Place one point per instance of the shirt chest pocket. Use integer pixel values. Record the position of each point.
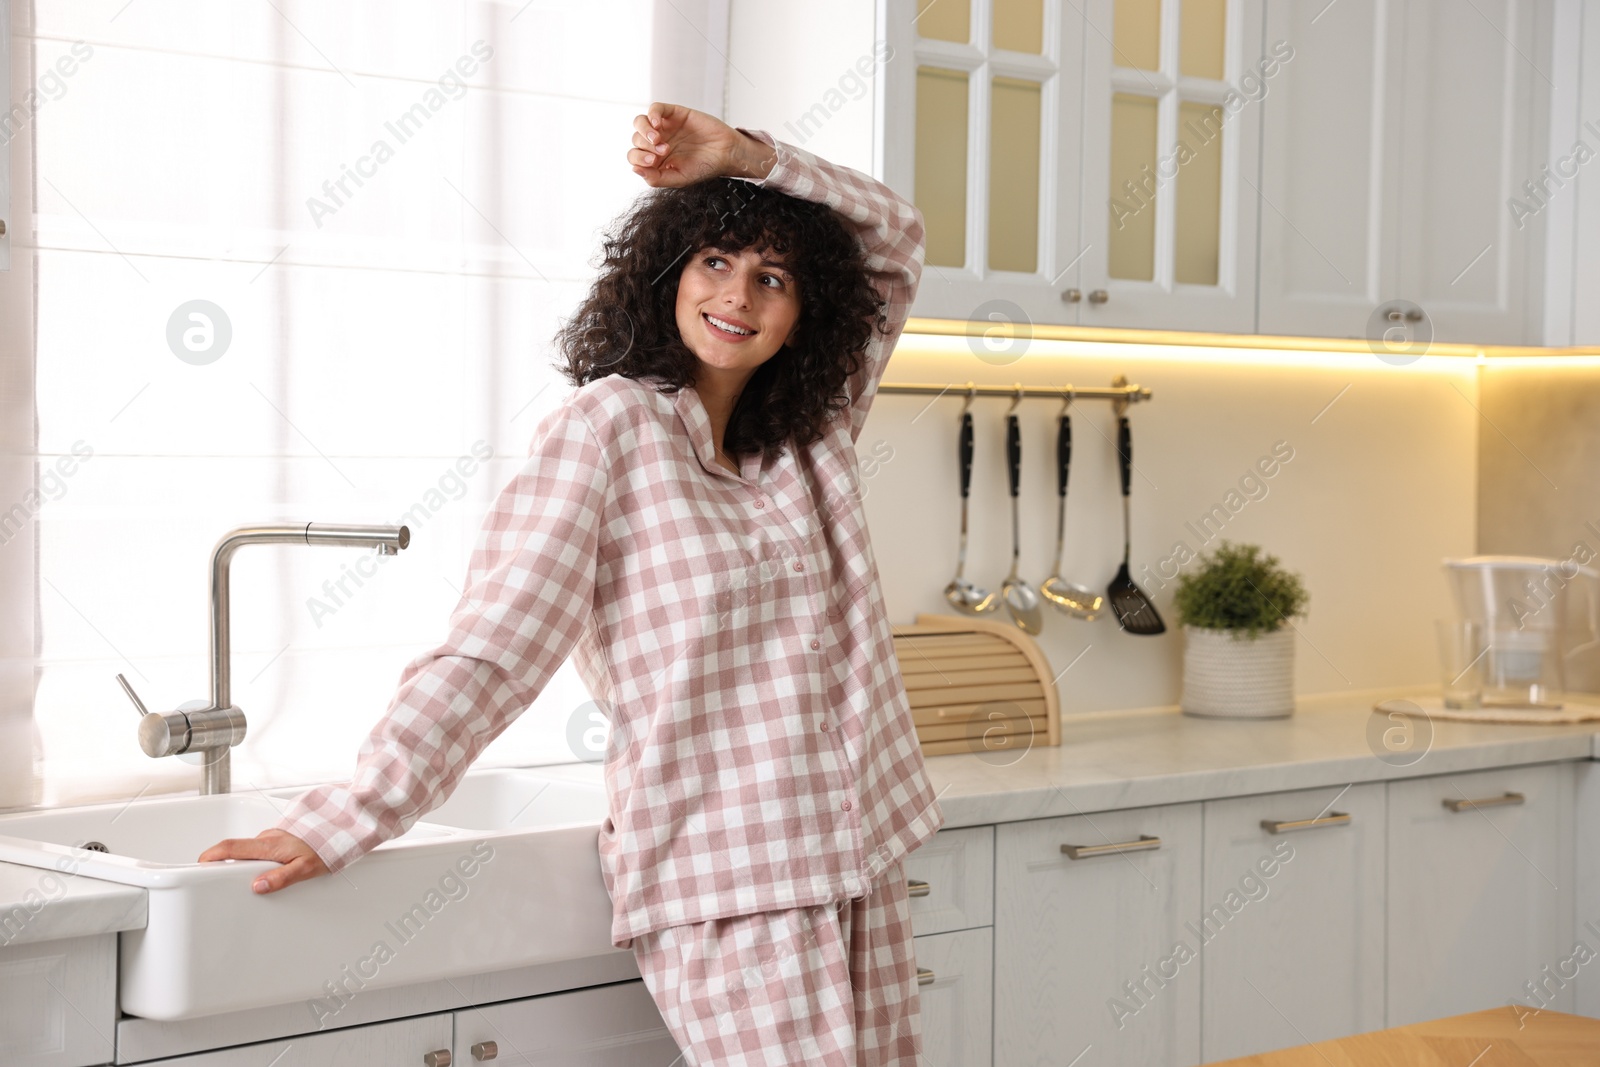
(766, 589)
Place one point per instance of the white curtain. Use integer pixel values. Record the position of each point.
(291, 261)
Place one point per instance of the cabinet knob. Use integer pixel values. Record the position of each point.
(924, 976)
(1098, 296)
(2, 227)
(1071, 296)
(485, 1050)
(439, 1057)
(917, 888)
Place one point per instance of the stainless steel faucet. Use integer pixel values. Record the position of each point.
(216, 728)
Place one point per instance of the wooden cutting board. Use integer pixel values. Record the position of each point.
(1498, 1037)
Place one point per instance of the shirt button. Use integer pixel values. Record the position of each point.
(847, 805)
(825, 727)
(816, 644)
(799, 566)
(761, 503)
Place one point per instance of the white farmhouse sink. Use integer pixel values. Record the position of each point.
(504, 874)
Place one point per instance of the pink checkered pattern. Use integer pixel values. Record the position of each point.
(762, 755)
(834, 985)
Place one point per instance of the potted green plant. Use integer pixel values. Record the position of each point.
(1238, 656)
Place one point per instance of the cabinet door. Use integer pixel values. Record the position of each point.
(1480, 898)
(1098, 950)
(1172, 141)
(1330, 172)
(980, 129)
(1477, 89)
(607, 1026)
(956, 971)
(1586, 920)
(58, 1001)
(1274, 902)
(402, 1041)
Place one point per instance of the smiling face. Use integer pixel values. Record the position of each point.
(735, 310)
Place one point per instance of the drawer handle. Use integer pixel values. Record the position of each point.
(1487, 802)
(924, 976)
(436, 1058)
(1083, 852)
(917, 888)
(1283, 826)
(485, 1050)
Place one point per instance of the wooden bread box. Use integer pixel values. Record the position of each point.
(976, 686)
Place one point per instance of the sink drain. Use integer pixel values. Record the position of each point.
(95, 846)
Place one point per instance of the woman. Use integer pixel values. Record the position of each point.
(688, 527)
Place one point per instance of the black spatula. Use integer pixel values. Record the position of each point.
(1134, 611)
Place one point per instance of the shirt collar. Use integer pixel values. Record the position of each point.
(698, 424)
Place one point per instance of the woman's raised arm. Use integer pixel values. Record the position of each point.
(674, 146)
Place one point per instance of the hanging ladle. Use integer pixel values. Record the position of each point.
(962, 594)
(1072, 599)
(1021, 600)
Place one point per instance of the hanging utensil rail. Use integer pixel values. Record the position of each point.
(1120, 392)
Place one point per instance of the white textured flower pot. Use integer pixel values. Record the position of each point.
(1238, 678)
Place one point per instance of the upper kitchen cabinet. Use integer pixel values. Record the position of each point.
(1395, 150)
(1172, 140)
(984, 106)
(1091, 164)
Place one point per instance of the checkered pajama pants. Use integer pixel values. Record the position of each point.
(833, 985)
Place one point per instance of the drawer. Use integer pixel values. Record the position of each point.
(956, 991)
(956, 869)
(406, 1041)
(606, 1026)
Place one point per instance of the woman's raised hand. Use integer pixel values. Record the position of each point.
(300, 861)
(675, 146)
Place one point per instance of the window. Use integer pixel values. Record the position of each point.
(294, 261)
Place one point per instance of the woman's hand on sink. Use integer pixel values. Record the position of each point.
(300, 861)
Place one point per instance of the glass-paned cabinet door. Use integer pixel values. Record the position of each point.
(1171, 141)
(981, 113)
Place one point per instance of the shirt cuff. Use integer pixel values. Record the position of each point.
(780, 165)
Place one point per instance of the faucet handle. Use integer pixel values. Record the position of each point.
(127, 688)
(160, 733)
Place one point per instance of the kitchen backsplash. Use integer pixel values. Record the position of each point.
(1539, 473)
(1357, 473)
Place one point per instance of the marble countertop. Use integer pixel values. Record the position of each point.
(43, 905)
(1130, 759)
(1106, 761)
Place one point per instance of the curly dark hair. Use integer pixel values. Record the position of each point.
(627, 324)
